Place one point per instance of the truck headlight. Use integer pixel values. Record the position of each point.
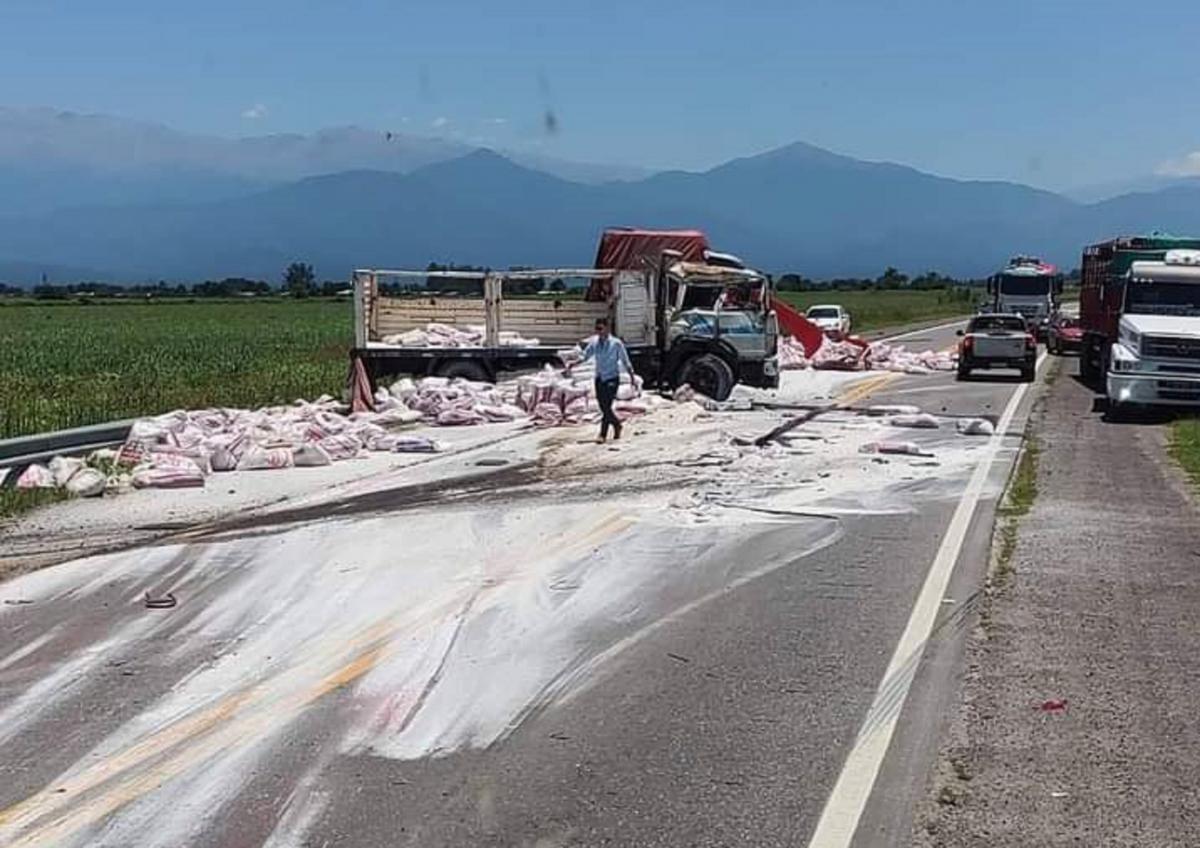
(1122, 358)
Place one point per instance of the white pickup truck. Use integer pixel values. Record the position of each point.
(997, 341)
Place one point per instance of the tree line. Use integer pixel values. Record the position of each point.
(299, 280)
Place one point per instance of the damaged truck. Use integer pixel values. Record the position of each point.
(686, 316)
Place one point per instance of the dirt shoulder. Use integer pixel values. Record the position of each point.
(1077, 722)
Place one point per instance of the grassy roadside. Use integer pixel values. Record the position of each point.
(1022, 492)
(873, 310)
(1185, 446)
(13, 502)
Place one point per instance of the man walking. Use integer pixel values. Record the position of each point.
(610, 355)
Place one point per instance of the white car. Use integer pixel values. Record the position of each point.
(831, 318)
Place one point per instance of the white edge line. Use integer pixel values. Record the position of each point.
(844, 807)
(954, 323)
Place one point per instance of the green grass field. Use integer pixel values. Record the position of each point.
(1185, 446)
(874, 310)
(66, 365)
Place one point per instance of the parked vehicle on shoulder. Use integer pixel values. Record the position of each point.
(1064, 335)
(831, 318)
(1140, 309)
(997, 341)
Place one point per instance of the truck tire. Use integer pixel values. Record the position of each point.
(708, 374)
(463, 369)
(1028, 373)
(1088, 372)
(963, 373)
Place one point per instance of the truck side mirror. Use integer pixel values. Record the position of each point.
(991, 285)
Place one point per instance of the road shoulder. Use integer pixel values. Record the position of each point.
(1075, 717)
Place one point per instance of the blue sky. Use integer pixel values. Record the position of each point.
(1041, 92)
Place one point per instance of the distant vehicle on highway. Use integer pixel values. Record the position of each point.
(997, 340)
(1139, 306)
(1064, 334)
(1027, 287)
(830, 317)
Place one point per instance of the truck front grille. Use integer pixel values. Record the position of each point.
(1170, 347)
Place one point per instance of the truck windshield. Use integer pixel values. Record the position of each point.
(1024, 286)
(1160, 298)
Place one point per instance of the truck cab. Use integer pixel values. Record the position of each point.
(1155, 358)
(719, 328)
(1030, 288)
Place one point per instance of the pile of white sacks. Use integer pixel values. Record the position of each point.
(445, 335)
(548, 398)
(182, 449)
(877, 356)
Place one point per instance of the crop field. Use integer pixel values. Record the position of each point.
(873, 310)
(66, 365)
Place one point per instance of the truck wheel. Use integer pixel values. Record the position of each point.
(463, 369)
(1087, 363)
(1028, 373)
(708, 374)
(963, 374)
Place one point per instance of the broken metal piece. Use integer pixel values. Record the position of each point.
(165, 602)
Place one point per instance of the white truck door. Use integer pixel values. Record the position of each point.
(635, 308)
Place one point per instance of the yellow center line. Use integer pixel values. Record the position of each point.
(870, 385)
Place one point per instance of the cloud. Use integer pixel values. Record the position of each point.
(439, 122)
(497, 121)
(1184, 166)
(255, 112)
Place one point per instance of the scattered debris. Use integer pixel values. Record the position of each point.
(678, 657)
(918, 421)
(889, 447)
(167, 601)
(883, 409)
(13, 602)
(1053, 705)
(855, 354)
(976, 427)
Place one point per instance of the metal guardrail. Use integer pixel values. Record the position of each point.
(19, 453)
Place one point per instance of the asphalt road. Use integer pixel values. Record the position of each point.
(545, 658)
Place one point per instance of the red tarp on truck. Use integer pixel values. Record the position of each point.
(624, 249)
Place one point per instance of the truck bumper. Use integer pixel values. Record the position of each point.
(762, 373)
(1153, 389)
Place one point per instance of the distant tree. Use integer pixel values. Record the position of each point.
(891, 278)
(557, 285)
(791, 283)
(299, 279)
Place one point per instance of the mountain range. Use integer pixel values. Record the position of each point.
(136, 201)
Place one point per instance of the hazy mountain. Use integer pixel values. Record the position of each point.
(798, 208)
(1138, 185)
(52, 159)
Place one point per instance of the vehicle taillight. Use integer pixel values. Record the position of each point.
(967, 343)
(1030, 341)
